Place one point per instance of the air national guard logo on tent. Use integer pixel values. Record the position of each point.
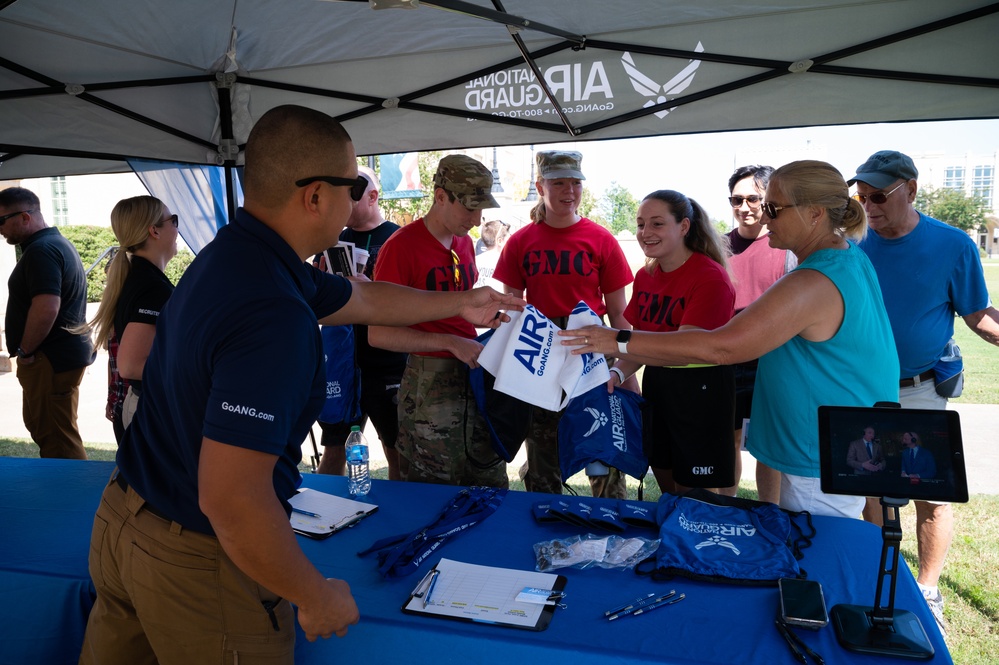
(591, 86)
(648, 87)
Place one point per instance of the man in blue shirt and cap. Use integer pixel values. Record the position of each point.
(929, 271)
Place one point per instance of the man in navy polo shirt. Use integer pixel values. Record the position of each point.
(193, 555)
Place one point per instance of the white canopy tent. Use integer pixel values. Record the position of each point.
(87, 86)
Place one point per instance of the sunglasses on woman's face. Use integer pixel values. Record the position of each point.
(771, 210)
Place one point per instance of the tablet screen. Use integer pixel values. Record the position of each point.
(899, 453)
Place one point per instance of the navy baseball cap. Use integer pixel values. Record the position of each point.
(884, 168)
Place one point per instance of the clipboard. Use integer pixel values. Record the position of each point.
(484, 594)
(319, 515)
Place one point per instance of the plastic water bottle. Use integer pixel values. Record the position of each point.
(358, 477)
(597, 468)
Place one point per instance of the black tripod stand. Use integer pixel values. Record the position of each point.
(882, 629)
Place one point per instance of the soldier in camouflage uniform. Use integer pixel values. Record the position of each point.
(442, 437)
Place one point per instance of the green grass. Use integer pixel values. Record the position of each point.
(968, 583)
(981, 359)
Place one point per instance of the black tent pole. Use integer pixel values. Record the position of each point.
(228, 149)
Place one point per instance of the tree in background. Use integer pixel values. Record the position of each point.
(954, 207)
(93, 241)
(619, 208)
(403, 211)
(589, 208)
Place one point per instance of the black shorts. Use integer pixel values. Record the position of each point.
(379, 402)
(745, 380)
(691, 415)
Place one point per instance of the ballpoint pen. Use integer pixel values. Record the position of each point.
(630, 605)
(786, 634)
(421, 588)
(642, 604)
(305, 512)
(430, 590)
(649, 608)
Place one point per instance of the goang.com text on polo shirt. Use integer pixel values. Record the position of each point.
(247, 411)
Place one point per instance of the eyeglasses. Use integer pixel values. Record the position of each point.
(753, 200)
(4, 218)
(457, 273)
(772, 210)
(357, 185)
(173, 219)
(877, 198)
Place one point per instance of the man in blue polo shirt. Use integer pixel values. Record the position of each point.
(929, 271)
(193, 555)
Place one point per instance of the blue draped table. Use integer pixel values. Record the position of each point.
(46, 515)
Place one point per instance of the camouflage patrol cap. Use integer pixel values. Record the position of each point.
(560, 164)
(468, 179)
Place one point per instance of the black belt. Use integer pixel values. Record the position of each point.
(916, 380)
(123, 484)
(432, 363)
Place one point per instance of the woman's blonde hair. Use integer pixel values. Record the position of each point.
(130, 222)
(538, 212)
(811, 182)
(702, 236)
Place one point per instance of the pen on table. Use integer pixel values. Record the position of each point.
(305, 512)
(786, 634)
(628, 606)
(421, 587)
(430, 590)
(639, 607)
(649, 608)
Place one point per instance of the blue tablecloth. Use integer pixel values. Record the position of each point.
(45, 592)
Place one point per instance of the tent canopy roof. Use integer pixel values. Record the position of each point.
(84, 85)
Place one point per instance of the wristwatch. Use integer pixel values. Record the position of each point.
(623, 337)
(21, 353)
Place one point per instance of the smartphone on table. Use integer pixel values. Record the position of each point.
(802, 603)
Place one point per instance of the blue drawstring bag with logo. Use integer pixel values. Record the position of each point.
(713, 538)
(598, 426)
(343, 377)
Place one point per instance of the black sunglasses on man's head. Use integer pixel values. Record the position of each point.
(357, 185)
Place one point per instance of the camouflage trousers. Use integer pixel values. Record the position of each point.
(542, 472)
(442, 437)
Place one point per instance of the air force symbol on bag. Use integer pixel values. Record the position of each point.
(718, 540)
(599, 420)
(618, 428)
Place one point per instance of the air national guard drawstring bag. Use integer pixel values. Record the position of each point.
(401, 555)
(598, 426)
(708, 537)
(343, 378)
